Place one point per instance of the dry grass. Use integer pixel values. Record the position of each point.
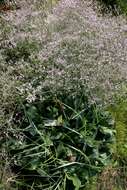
(112, 179)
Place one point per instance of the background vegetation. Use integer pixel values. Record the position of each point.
(116, 6)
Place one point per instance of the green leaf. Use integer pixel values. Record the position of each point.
(76, 181)
(54, 122)
(47, 140)
(106, 130)
(60, 120)
(31, 129)
(50, 123)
